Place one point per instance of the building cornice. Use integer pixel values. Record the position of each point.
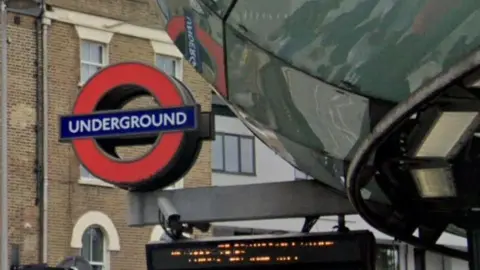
(107, 25)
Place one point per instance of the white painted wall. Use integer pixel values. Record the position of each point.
(270, 168)
(438, 262)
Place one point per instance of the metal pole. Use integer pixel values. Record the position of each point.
(4, 143)
(473, 240)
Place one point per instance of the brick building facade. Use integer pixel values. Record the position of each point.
(84, 215)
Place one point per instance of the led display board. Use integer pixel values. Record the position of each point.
(353, 250)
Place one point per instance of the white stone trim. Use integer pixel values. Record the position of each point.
(95, 218)
(179, 71)
(156, 233)
(92, 181)
(91, 34)
(106, 25)
(177, 185)
(166, 49)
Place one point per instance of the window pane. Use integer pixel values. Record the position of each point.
(96, 53)
(92, 70)
(231, 154)
(160, 63)
(246, 155)
(84, 73)
(88, 71)
(97, 267)
(173, 68)
(217, 153)
(86, 245)
(97, 245)
(92, 58)
(85, 53)
(166, 64)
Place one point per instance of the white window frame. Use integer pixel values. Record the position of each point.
(94, 35)
(95, 218)
(165, 50)
(105, 58)
(106, 258)
(178, 64)
(91, 180)
(239, 137)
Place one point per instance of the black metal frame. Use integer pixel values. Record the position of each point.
(361, 170)
(222, 110)
(473, 239)
(419, 258)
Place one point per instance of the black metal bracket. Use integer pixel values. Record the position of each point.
(310, 221)
(341, 227)
(207, 126)
(170, 220)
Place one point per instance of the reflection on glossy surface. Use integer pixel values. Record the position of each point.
(313, 125)
(312, 78)
(379, 48)
(315, 122)
(197, 32)
(220, 7)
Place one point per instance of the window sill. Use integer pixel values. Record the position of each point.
(177, 185)
(236, 173)
(94, 182)
(99, 183)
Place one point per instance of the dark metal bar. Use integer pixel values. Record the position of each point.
(473, 240)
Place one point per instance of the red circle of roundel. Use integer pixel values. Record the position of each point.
(176, 26)
(118, 171)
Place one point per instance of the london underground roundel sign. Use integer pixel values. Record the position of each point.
(99, 125)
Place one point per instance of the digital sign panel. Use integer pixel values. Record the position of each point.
(353, 250)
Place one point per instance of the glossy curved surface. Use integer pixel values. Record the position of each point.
(312, 78)
(384, 49)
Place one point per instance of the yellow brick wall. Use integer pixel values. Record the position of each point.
(23, 214)
(68, 200)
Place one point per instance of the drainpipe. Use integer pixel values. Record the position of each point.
(45, 23)
(42, 132)
(38, 123)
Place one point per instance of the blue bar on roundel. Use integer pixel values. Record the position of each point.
(128, 123)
